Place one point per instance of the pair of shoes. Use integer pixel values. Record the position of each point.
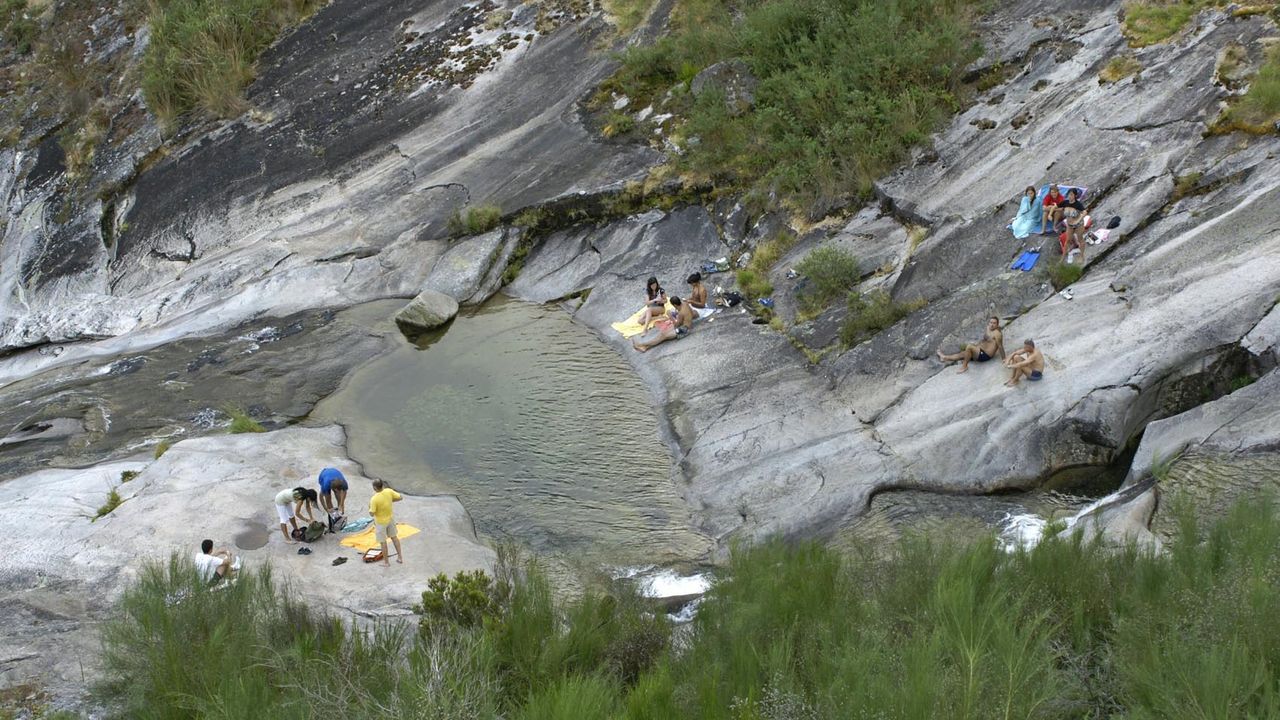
(304, 551)
(1066, 294)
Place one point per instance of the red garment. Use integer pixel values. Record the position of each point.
(1051, 201)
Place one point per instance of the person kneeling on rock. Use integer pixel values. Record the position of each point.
(675, 326)
(1026, 362)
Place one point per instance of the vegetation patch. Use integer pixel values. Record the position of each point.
(1062, 274)
(927, 627)
(1258, 110)
(162, 447)
(869, 314)
(18, 25)
(753, 280)
(1119, 68)
(1185, 185)
(832, 273)
(113, 501)
(128, 475)
(843, 89)
(1147, 22)
(627, 14)
(241, 422)
(475, 219)
(202, 52)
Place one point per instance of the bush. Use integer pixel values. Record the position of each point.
(869, 314)
(465, 601)
(241, 422)
(844, 88)
(618, 123)
(475, 220)
(832, 273)
(1062, 274)
(202, 52)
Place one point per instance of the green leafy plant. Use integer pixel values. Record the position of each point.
(464, 601)
(832, 273)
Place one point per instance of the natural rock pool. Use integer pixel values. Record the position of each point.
(545, 434)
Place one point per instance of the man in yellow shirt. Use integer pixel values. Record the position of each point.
(384, 526)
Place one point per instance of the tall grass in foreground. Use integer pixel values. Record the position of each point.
(202, 52)
(926, 629)
(845, 87)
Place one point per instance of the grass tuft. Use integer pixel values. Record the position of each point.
(1258, 110)
(1147, 22)
(128, 475)
(869, 314)
(1185, 185)
(202, 53)
(1119, 68)
(627, 14)
(241, 422)
(475, 219)
(18, 25)
(162, 447)
(1062, 274)
(113, 501)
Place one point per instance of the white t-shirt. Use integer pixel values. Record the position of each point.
(284, 497)
(207, 566)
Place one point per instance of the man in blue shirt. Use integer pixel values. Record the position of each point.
(332, 481)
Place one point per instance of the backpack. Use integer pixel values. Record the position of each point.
(336, 521)
(1114, 222)
(732, 298)
(313, 532)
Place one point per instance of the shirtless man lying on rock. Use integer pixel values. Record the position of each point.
(992, 343)
(1027, 362)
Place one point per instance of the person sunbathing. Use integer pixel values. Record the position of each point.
(992, 344)
(1049, 218)
(672, 327)
(1026, 362)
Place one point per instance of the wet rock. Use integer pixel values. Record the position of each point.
(734, 79)
(428, 311)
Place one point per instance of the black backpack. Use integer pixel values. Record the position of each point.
(1114, 222)
(336, 521)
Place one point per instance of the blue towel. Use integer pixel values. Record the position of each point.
(357, 525)
(1029, 216)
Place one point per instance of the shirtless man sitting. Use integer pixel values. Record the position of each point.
(675, 326)
(1026, 362)
(992, 344)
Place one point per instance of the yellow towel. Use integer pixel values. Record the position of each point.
(364, 539)
(631, 326)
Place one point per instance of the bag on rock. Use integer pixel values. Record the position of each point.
(296, 533)
(1114, 222)
(373, 555)
(313, 532)
(336, 521)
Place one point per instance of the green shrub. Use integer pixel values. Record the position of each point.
(580, 697)
(127, 475)
(475, 220)
(162, 447)
(241, 422)
(464, 601)
(845, 88)
(113, 501)
(202, 52)
(1062, 274)
(869, 314)
(618, 123)
(754, 284)
(832, 273)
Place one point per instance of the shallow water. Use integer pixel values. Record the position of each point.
(544, 432)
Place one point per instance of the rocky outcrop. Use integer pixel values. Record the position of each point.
(428, 311)
(218, 487)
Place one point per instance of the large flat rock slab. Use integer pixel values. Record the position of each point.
(213, 487)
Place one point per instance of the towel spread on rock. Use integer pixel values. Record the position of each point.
(365, 540)
(1029, 216)
(357, 525)
(705, 312)
(631, 326)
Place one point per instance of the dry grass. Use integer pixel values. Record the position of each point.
(627, 14)
(1119, 68)
(1258, 110)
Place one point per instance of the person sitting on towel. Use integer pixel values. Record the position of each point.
(992, 344)
(1050, 216)
(675, 326)
(1026, 362)
(1073, 215)
(697, 292)
(213, 565)
(655, 302)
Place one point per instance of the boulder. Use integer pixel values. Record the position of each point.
(428, 311)
(734, 79)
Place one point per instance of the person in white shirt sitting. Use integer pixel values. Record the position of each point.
(214, 566)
